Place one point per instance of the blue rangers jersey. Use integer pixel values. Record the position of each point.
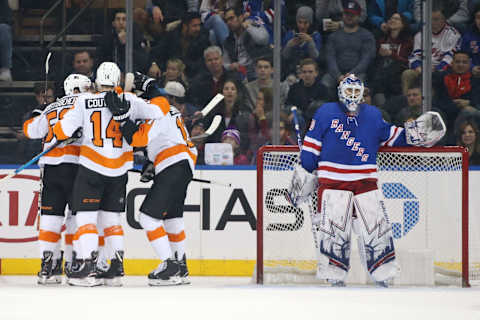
(348, 144)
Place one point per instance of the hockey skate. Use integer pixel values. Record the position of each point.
(114, 274)
(46, 275)
(84, 272)
(167, 274)
(182, 264)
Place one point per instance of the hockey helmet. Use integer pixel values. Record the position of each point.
(76, 81)
(350, 92)
(108, 74)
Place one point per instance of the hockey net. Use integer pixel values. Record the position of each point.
(425, 193)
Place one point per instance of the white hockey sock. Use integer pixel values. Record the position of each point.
(69, 233)
(156, 235)
(87, 234)
(112, 231)
(175, 229)
(49, 233)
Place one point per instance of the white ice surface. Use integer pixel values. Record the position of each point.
(224, 298)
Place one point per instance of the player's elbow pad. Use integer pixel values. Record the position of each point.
(128, 129)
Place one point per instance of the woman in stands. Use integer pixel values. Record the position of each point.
(393, 50)
(467, 136)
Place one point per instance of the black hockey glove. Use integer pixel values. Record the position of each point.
(128, 129)
(120, 108)
(77, 134)
(142, 82)
(148, 172)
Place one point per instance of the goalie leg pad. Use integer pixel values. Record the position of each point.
(375, 232)
(334, 223)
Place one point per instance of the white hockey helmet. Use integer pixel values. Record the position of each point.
(76, 81)
(350, 92)
(108, 74)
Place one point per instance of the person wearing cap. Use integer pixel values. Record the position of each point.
(175, 93)
(232, 137)
(329, 13)
(302, 42)
(349, 50)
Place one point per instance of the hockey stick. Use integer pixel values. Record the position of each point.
(47, 67)
(209, 107)
(75, 136)
(129, 79)
(196, 180)
(213, 127)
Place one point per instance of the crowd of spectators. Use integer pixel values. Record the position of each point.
(226, 46)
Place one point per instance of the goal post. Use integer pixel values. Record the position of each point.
(425, 192)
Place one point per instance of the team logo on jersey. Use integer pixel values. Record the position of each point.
(312, 125)
(349, 141)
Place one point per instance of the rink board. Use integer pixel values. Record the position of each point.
(220, 224)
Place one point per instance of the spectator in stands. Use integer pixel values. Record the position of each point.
(471, 41)
(235, 114)
(6, 46)
(456, 11)
(413, 108)
(380, 11)
(349, 50)
(83, 64)
(175, 71)
(197, 129)
(43, 96)
(264, 72)
(212, 12)
(247, 41)
(112, 45)
(167, 11)
(445, 39)
(302, 42)
(27, 148)
(232, 137)
(210, 82)
(457, 93)
(176, 96)
(186, 42)
(468, 136)
(393, 49)
(329, 14)
(309, 93)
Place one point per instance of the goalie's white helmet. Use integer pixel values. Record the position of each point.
(350, 92)
(108, 74)
(76, 81)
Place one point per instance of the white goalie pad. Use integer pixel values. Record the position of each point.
(301, 186)
(335, 224)
(426, 130)
(372, 225)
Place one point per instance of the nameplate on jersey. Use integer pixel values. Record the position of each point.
(65, 101)
(95, 103)
(173, 111)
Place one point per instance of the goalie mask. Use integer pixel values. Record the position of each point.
(350, 92)
(108, 74)
(76, 81)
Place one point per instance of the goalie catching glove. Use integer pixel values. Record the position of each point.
(301, 186)
(120, 108)
(426, 130)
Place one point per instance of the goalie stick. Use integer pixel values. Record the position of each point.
(213, 127)
(310, 205)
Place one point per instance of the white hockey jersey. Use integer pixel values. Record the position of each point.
(168, 141)
(41, 127)
(103, 148)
